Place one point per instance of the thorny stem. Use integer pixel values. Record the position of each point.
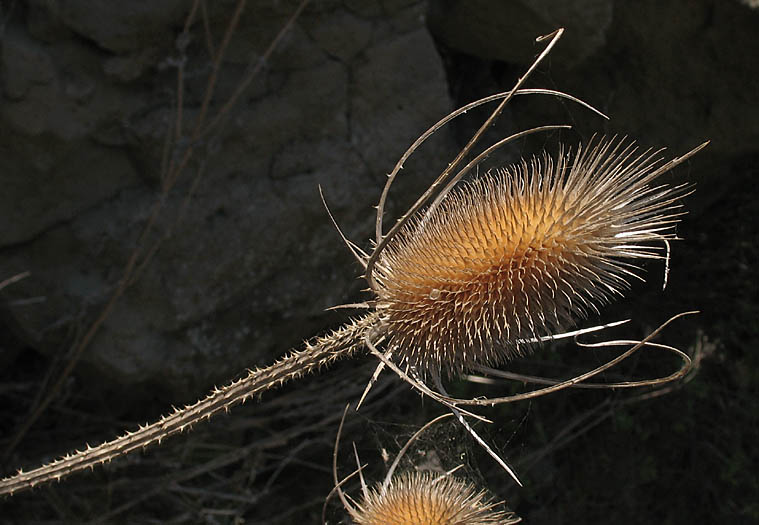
(319, 352)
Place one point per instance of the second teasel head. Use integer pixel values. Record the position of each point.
(424, 498)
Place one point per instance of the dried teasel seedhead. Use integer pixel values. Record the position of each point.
(521, 253)
(423, 498)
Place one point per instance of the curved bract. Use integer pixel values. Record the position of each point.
(424, 498)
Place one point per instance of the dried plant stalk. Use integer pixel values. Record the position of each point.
(320, 352)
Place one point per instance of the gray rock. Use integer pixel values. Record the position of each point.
(24, 64)
(506, 31)
(116, 28)
(668, 74)
(248, 258)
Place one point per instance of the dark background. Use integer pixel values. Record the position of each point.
(242, 260)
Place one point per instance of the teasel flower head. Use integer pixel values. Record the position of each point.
(523, 252)
(425, 498)
(417, 497)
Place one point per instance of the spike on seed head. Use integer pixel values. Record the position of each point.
(521, 253)
(421, 498)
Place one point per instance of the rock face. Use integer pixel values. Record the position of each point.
(506, 31)
(247, 258)
(662, 71)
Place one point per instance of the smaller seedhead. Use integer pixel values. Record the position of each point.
(417, 498)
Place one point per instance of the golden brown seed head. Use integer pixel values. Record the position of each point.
(427, 499)
(521, 253)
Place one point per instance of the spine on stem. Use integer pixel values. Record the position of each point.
(318, 352)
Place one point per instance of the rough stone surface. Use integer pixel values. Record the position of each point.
(669, 74)
(125, 28)
(506, 31)
(253, 260)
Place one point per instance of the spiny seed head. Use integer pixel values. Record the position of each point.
(427, 499)
(520, 253)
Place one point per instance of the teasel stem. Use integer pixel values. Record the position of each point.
(318, 352)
